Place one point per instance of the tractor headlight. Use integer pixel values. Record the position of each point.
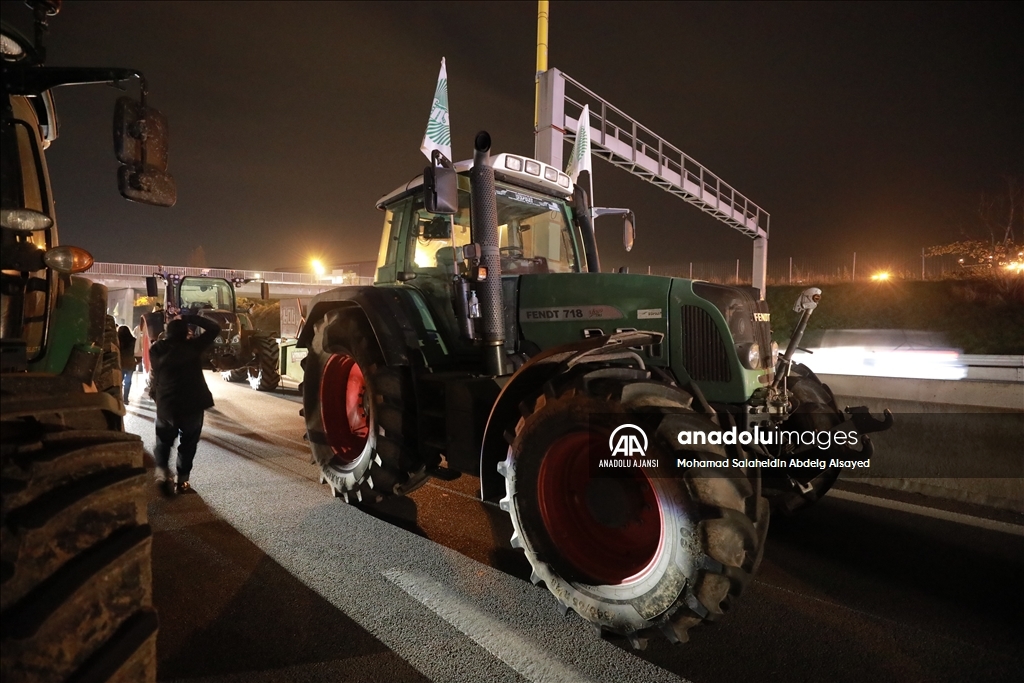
(750, 355)
(237, 338)
(218, 340)
(775, 353)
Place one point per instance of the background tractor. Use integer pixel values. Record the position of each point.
(492, 345)
(241, 352)
(76, 577)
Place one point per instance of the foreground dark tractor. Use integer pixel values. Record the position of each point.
(240, 353)
(492, 345)
(76, 602)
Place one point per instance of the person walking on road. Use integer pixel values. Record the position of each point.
(181, 396)
(126, 344)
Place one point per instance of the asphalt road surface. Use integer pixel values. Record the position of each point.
(264, 576)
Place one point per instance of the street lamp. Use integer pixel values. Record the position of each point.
(318, 268)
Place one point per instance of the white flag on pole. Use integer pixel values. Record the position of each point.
(579, 160)
(439, 133)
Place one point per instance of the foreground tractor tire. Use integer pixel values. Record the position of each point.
(265, 375)
(657, 549)
(359, 413)
(77, 580)
(815, 409)
(236, 375)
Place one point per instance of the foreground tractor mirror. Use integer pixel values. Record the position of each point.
(264, 290)
(152, 290)
(140, 143)
(440, 185)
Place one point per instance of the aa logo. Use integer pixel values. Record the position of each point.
(628, 440)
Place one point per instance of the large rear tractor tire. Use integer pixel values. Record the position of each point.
(265, 375)
(76, 574)
(236, 375)
(814, 409)
(360, 413)
(653, 549)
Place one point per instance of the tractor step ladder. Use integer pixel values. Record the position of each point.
(622, 141)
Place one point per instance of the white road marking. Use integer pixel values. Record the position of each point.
(957, 517)
(526, 657)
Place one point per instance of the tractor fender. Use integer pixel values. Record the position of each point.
(390, 311)
(527, 383)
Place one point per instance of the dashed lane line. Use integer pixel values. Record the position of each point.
(526, 657)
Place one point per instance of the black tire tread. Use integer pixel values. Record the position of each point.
(76, 547)
(266, 373)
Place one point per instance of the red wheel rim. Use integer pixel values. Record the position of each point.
(344, 407)
(607, 529)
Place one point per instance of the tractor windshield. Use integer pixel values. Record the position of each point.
(533, 233)
(202, 292)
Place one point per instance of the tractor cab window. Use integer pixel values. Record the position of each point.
(197, 293)
(533, 233)
(433, 238)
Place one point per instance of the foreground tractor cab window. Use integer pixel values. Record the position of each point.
(28, 230)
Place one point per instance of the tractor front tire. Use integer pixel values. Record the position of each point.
(265, 375)
(814, 409)
(77, 600)
(236, 375)
(360, 413)
(653, 549)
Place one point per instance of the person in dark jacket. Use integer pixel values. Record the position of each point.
(181, 396)
(126, 345)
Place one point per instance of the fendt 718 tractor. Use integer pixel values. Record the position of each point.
(241, 352)
(75, 567)
(491, 344)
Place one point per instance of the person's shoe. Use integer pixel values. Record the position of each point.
(163, 481)
(183, 487)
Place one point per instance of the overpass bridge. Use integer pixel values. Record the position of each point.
(126, 282)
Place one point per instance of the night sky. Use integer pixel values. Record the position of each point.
(863, 126)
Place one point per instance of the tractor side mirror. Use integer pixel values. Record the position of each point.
(628, 231)
(264, 290)
(440, 185)
(152, 289)
(628, 224)
(140, 144)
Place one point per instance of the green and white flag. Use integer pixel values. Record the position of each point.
(439, 132)
(579, 160)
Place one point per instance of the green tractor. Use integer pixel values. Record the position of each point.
(493, 345)
(241, 352)
(75, 555)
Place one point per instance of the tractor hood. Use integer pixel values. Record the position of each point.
(707, 328)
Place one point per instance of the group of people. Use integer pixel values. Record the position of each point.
(179, 389)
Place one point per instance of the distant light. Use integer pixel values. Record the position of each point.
(318, 267)
(1015, 267)
(881, 277)
(256, 276)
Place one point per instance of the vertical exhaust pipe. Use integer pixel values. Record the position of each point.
(485, 233)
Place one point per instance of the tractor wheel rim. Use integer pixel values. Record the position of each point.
(609, 530)
(344, 410)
